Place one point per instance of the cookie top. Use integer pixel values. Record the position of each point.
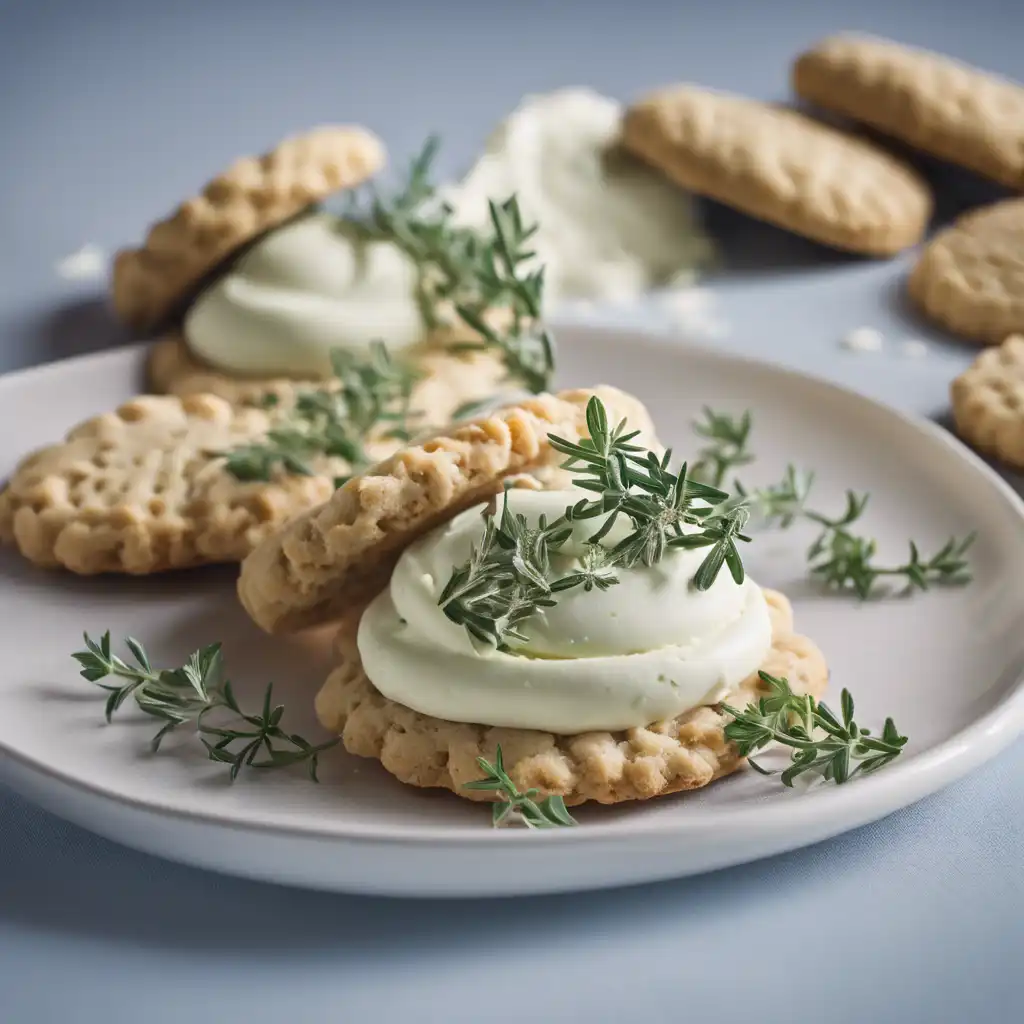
(937, 104)
(782, 167)
(138, 490)
(970, 277)
(253, 195)
(334, 559)
(988, 402)
(671, 756)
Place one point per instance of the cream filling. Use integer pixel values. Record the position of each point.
(303, 289)
(609, 227)
(647, 649)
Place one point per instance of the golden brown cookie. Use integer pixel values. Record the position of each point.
(331, 561)
(449, 379)
(988, 402)
(934, 103)
(683, 753)
(782, 167)
(970, 277)
(137, 490)
(253, 195)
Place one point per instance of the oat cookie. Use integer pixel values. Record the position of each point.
(782, 167)
(332, 560)
(449, 379)
(683, 753)
(988, 402)
(934, 103)
(253, 195)
(970, 277)
(135, 490)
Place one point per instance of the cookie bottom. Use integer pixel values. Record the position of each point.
(680, 754)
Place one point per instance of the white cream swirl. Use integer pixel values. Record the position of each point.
(647, 649)
(301, 290)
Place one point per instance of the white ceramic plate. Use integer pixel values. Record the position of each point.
(947, 665)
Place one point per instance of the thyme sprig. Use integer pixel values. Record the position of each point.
(838, 558)
(370, 396)
(515, 806)
(480, 276)
(508, 576)
(190, 693)
(835, 747)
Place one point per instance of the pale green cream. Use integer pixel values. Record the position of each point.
(303, 289)
(647, 649)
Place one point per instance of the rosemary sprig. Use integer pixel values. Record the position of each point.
(188, 694)
(513, 805)
(372, 396)
(474, 274)
(837, 748)
(838, 558)
(507, 577)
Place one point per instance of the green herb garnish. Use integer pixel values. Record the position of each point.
(371, 396)
(835, 747)
(188, 694)
(507, 576)
(479, 276)
(838, 558)
(513, 805)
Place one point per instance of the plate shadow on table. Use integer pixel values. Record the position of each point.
(60, 878)
(79, 327)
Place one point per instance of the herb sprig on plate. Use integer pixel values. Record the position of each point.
(835, 747)
(507, 577)
(839, 558)
(190, 694)
(370, 395)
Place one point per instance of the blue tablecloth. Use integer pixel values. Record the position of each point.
(113, 111)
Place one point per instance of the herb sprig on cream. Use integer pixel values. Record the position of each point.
(480, 277)
(838, 558)
(372, 396)
(190, 693)
(507, 576)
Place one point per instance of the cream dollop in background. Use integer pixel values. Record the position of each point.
(609, 228)
(649, 648)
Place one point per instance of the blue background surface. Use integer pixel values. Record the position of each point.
(111, 111)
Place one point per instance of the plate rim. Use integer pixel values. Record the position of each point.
(901, 784)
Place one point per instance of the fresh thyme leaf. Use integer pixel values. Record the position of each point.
(515, 806)
(508, 575)
(727, 438)
(479, 276)
(840, 559)
(836, 748)
(372, 396)
(188, 694)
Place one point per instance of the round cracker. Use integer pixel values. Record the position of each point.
(254, 194)
(988, 402)
(782, 167)
(331, 561)
(970, 277)
(680, 754)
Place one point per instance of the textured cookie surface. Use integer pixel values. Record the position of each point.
(250, 197)
(932, 102)
(988, 402)
(970, 277)
(782, 167)
(136, 490)
(449, 380)
(680, 754)
(331, 561)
